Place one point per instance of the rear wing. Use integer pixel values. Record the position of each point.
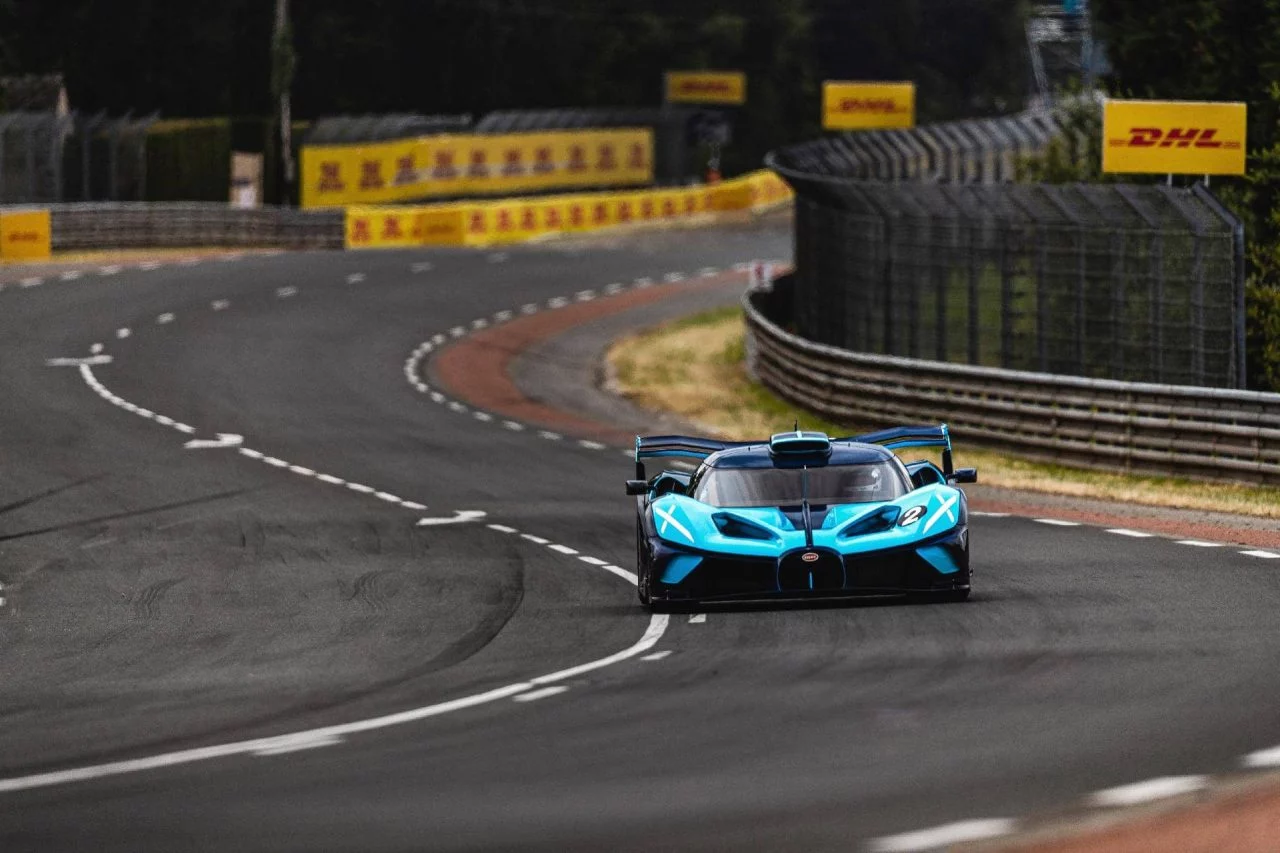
(914, 436)
(688, 447)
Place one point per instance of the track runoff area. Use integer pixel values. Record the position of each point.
(277, 577)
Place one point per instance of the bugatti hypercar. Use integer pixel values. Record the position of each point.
(800, 516)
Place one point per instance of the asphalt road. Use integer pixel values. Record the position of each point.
(161, 599)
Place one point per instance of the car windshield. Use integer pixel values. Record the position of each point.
(837, 484)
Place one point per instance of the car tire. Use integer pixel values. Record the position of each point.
(642, 576)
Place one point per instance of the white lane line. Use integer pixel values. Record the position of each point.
(458, 331)
(305, 472)
(1136, 534)
(274, 462)
(1264, 555)
(549, 435)
(1262, 758)
(536, 540)
(71, 275)
(501, 528)
(585, 295)
(643, 282)
(629, 577)
(110, 270)
(616, 287)
(529, 308)
(592, 561)
(1057, 522)
(1199, 543)
(123, 333)
(591, 445)
(1148, 791)
(331, 480)
(251, 453)
(481, 323)
(535, 695)
(165, 318)
(437, 397)
(563, 549)
(557, 302)
(657, 655)
(457, 407)
(361, 488)
(697, 618)
(388, 497)
(96, 349)
(482, 416)
(943, 836)
(355, 278)
(286, 292)
(981, 514)
(503, 316)
(514, 426)
(296, 744)
(673, 277)
(188, 262)
(413, 505)
(31, 282)
(423, 266)
(708, 272)
(220, 304)
(149, 266)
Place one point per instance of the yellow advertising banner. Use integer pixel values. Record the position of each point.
(487, 223)
(1173, 137)
(706, 87)
(443, 166)
(848, 105)
(25, 235)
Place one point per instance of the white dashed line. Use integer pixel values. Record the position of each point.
(1263, 555)
(111, 270)
(166, 318)
(549, 435)
(251, 453)
(32, 282)
(331, 480)
(1057, 522)
(1136, 534)
(590, 445)
(388, 497)
(585, 295)
(286, 292)
(423, 266)
(708, 272)
(614, 288)
(220, 304)
(482, 416)
(503, 316)
(481, 323)
(942, 837)
(557, 302)
(535, 695)
(673, 277)
(514, 426)
(697, 618)
(501, 528)
(980, 514)
(458, 331)
(305, 472)
(96, 348)
(457, 407)
(188, 262)
(123, 333)
(274, 462)
(413, 505)
(71, 275)
(1148, 791)
(656, 655)
(149, 266)
(563, 549)
(1262, 758)
(361, 488)
(536, 540)
(592, 561)
(355, 278)
(1199, 543)
(643, 282)
(529, 308)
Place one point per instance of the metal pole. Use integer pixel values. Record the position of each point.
(282, 82)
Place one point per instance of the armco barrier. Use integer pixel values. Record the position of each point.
(143, 225)
(515, 220)
(1127, 426)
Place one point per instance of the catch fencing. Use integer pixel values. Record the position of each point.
(48, 157)
(1132, 283)
(1143, 427)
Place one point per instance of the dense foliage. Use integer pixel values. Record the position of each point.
(472, 56)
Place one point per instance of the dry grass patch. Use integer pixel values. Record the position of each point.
(694, 368)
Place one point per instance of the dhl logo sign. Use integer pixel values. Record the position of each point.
(706, 87)
(25, 235)
(1173, 137)
(868, 106)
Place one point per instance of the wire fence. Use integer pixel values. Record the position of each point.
(1132, 283)
(48, 157)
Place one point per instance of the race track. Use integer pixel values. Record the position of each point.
(176, 617)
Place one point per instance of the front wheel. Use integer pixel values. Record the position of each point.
(642, 576)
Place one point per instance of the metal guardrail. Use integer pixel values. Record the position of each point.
(1204, 433)
(113, 225)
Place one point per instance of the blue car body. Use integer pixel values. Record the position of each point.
(801, 516)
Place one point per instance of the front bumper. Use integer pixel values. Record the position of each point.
(936, 565)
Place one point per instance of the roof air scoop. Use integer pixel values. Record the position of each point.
(799, 442)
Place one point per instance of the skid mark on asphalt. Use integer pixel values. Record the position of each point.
(144, 605)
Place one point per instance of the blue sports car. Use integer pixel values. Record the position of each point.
(800, 516)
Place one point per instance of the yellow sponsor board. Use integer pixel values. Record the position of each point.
(706, 87)
(1168, 137)
(25, 235)
(848, 105)
(444, 166)
(488, 223)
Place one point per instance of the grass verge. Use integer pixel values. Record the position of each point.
(694, 368)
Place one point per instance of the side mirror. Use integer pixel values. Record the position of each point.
(964, 475)
(637, 487)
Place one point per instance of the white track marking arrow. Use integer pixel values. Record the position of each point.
(224, 439)
(460, 516)
(76, 362)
